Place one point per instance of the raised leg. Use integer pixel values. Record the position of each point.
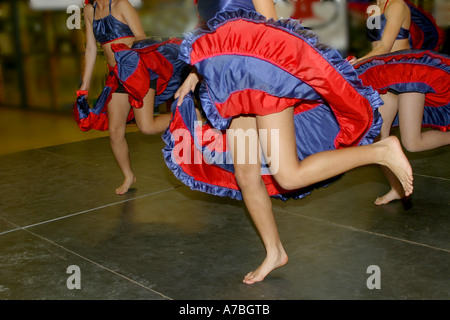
(145, 119)
(294, 174)
(410, 114)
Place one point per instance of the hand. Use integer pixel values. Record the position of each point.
(83, 91)
(188, 85)
(352, 60)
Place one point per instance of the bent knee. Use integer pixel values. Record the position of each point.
(147, 127)
(411, 145)
(148, 130)
(288, 181)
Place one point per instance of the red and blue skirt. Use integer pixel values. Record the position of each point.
(419, 71)
(424, 32)
(136, 67)
(251, 66)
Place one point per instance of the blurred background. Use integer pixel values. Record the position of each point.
(41, 57)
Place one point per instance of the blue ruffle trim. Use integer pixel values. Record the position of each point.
(426, 26)
(188, 180)
(428, 59)
(295, 28)
(210, 109)
(189, 108)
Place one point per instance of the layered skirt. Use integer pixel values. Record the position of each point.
(136, 67)
(421, 71)
(251, 66)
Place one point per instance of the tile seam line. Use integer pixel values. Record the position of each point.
(99, 265)
(84, 211)
(94, 163)
(431, 177)
(369, 232)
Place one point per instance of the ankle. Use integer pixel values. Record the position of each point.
(276, 251)
(129, 176)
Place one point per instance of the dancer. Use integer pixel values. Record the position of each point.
(414, 86)
(267, 76)
(128, 94)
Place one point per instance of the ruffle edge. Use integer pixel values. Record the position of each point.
(293, 27)
(424, 57)
(216, 190)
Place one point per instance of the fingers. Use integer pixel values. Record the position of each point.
(180, 101)
(188, 86)
(180, 94)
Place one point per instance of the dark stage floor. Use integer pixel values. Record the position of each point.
(163, 241)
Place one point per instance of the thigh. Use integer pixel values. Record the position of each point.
(244, 148)
(144, 115)
(243, 140)
(118, 110)
(278, 141)
(410, 114)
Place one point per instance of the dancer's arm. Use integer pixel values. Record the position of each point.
(266, 8)
(91, 48)
(188, 85)
(131, 17)
(395, 14)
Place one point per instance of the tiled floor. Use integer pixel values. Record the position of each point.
(163, 241)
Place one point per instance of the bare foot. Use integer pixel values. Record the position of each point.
(388, 197)
(125, 185)
(270, 263)
(397, 162)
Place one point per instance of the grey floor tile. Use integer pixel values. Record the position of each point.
(38, 185)
(163, 241)
(34, 268)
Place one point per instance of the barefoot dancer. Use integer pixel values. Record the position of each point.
(414, 85)
(272, 76)
(115, 24)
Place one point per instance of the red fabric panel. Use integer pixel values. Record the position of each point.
(287, 51)
(204, 172)
(252, 102)
(384, 75)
